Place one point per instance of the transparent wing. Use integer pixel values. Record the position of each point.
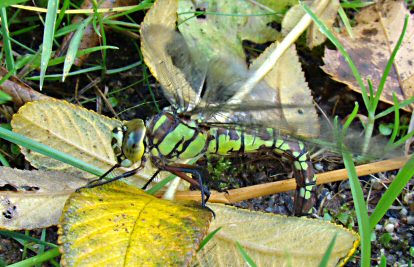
(170, 61)
(206, 89)
(261, 107)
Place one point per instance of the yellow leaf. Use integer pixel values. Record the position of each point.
(273, 240)
(120, 225)
(71, 129)
(33, 199)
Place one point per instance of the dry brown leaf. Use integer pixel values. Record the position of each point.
(288, 77)
(378, 29)
(18, 90)
(273, 240)
(33, 199)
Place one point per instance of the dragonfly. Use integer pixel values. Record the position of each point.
(204, 118)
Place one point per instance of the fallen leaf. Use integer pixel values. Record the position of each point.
(273, 240)
(18, 90)
(74, 130)
(33, 199)
(288, 77)
(120, 225)
(378, 29)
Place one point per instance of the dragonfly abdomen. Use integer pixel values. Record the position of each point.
(233, 140)
(225, 141)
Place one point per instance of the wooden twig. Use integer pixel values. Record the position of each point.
(254, 191)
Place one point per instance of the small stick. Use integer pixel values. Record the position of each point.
(254, 191)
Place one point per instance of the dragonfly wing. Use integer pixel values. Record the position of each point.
(261, 107)
(169, 59)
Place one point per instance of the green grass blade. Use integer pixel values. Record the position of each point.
(52, 7)
(392, 109)
(325, 260)
(160, 185)
(390, 64)
(125, 68)
(6, 3)
(74, 46)
(16, 235)
(143, 5)
(208, 238)
(396, 126)
(245, 256)
(393, 191)
(4, 97)
(383, 262)
(6, 39)
(325, 30)
(360, 209)
(346, 22)
(4, 161)
(48, 151)
(48, 255)
(357, 4)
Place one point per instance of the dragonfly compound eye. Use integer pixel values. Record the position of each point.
(133, 146)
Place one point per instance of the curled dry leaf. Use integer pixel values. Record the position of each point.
(33, 199)
(273, 240)
(18, 90)
(376, 34)
(120, 225)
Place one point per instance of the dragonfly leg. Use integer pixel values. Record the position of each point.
(181, 171)
(100, 181)
(199, 173)
(150, 180)
(305, 196)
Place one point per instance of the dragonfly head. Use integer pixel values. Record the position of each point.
(128, 142)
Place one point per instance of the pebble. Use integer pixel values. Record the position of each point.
(318, 166)
(389, 228)
(269, 209)
(378, 227)
(376, 184)
(344, 186)
(410, 220)
(408, 197)
(393, 220)
(404, 212)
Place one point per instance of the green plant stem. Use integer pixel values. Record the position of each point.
(37, 259)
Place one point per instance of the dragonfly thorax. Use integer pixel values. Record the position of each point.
(128, 142)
